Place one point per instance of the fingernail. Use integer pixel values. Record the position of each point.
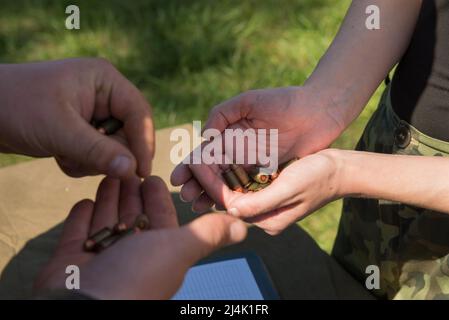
(234, 212)
(238, 231)
(119, 166)
(182, 199)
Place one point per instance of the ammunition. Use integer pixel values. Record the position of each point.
(263, 186)
(259, 176)
(120, 227)
(142, 222)
(274, 175)
(110, 126)
(130, 231)
(96, 238)
(232, 181)
(241, 174)
(255, 186)
(107, 242)
(89, 245)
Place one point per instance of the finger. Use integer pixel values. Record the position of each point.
(180, 175)
(74, 169)
(202, 204)
(220, 207)
(276, 221)
(106, 205)
(77, 170)
(277, 195)
(77, 225)
(158, 204)
(93, 151)
(130, 203)
(129, 105)
(211, 180)
(208, 233)
(190, 191)
(227, 113)
(120, 137)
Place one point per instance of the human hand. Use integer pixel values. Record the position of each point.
(147, 265)
(305, 122)
(46, 110)
(300, 189)
(303, 187)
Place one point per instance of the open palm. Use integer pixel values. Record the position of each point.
(303, 128)
(147, 265)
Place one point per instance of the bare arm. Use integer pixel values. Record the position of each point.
(311, 117)
(419, 181)
(315, 180)
(359, 59)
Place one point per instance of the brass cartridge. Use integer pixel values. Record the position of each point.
(142, 222)
(232, 181)
(97, 238)
(110, 126)
(241, 174)
(260, 175)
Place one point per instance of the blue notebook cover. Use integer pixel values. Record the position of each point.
(236, 277)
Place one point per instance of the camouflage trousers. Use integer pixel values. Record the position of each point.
(410, 245)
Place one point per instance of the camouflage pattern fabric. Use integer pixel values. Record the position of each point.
(410, 245)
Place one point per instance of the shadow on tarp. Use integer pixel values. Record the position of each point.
(298, 267)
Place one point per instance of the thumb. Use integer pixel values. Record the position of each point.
(94, 151)
(279, 194)
(209, 233)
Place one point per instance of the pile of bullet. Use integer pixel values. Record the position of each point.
(108, 236)
(256, 179)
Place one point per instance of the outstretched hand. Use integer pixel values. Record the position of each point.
(147, 265)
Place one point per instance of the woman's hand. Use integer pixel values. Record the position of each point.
(305, 120)
(315, 180)
(46, 110)
(303, 187)
(310, 118)
(148, 265)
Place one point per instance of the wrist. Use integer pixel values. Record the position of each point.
(340, 100)
(338, 181)
(351, 174)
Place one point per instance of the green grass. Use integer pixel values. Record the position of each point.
(186, 56)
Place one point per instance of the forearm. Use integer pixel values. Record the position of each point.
(6, 125)
(359, 59)
(415, 180)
